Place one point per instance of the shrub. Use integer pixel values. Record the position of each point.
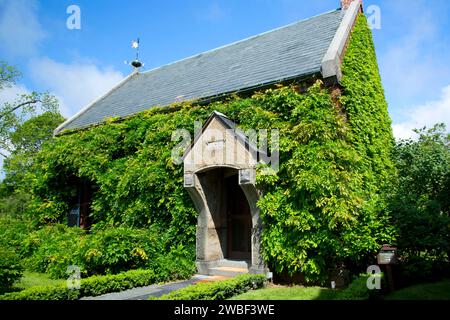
(53, 249)
(59, 292)
(219, 290)
(13, 231)
(93, 286)
(98, 285)
(113, 250)
(358, 290)
(10, 268)
(414, 270)
(178, 262)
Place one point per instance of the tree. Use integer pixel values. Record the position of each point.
(421, 198)
(15, 113)
(26, 140)
(22, 133)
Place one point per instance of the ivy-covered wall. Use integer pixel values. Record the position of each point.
(323, 209)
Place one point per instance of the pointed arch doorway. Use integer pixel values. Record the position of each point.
(223, 190)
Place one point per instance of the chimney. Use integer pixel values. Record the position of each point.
(345, 4)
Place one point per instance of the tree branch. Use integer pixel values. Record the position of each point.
(3, 155)
(19, 106)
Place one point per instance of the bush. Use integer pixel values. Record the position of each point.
(60, 292)
(52, 249)
(13, 231)
(178, 262)
(357, 290)
(416, 270)
(10, 268)
(105, 251)
(93, 286)
(219, 290)
(113, 250)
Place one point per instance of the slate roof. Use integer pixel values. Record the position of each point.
(289, 52)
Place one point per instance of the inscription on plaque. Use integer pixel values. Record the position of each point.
(215, 145)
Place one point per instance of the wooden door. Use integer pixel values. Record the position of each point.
(239, 222)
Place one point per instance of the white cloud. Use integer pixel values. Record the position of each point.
(412, 54)
(10, 94)
(20, 30)
(407, 64)
(76, 84)
(426, 114)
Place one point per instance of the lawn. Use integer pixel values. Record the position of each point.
(289, 293)
(429, 291)
(34, 279)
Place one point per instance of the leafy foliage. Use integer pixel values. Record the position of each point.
(10, 268)
(8, 75)
(420, 204)
(218, 290)
(52, 249)
(94, 286)
(25, 142)
(21, 134)
(14, 114)
(328, 207)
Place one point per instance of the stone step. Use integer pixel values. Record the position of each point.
(227, 271)
(233, 263)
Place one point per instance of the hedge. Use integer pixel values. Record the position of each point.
(357, 290)
(93, 286)
(219, 290)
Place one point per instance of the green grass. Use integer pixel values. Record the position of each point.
(429, 291)
(34, 279)
(289, 293)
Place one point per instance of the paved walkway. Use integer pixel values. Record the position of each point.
(143, 293)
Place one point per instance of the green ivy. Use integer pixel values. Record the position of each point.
(325, 208)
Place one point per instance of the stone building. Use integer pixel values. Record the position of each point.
(223, 187)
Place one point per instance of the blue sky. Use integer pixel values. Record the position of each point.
(412, 45)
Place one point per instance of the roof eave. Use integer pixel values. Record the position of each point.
(63, 125)
(200, 101)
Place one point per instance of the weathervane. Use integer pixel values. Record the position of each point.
(136, 63)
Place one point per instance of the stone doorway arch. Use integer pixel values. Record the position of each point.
(210, 173)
